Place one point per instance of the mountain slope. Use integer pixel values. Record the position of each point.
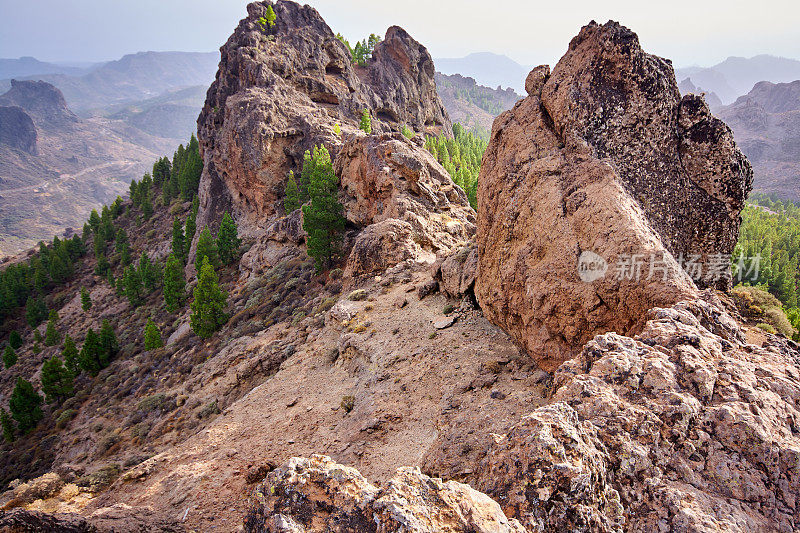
(78, 164)
(766, 124)
(473, 106)
(491, 70)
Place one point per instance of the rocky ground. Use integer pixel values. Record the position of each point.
(448, 352)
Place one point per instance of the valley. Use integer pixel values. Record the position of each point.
(363, 294)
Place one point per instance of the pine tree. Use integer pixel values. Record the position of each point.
(178, 240)
(109, 345)
(228, 241)
(270, 16)
(208, 307)
(152, 336)
(56, 381)
(206, 248)
(86, 300)
(110, 278)
(52, 336)
(337, 130)
(89, 357)
(94, 221)
(25, 405)
(70, 355)
(291, 198)
(35, 311)
(366, 122)
(148, 272)
(103, 266)
(15, 340)
(174, 284)
(133, 286)
(147, 207)
(9, 356)
(322, 219)
(8, 425)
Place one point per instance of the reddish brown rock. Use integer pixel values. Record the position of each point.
(594, 192)
(693, 428)
(281, 90)
(410, 207)
(317, 494)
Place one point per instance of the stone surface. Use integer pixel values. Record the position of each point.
(458, 271)
(17, 129)
(281, 90)
(606, 167)
(406, 200)
(695, 429)
(317, 494)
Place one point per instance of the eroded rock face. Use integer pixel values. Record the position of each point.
(279, 91)
(595, 190)
(410, 207)
(696, 430)
(317, 494)
(42, 101)
(17, 129)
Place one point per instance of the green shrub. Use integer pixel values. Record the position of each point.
(766, 327)
(348, 402)
(357, 295)
(65, 418)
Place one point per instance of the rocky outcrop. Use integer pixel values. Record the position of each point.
(281, 90)
(17, 129)
(692, 427)
(317, 494)
(595, 193)
(117, 519)
(406, 200)
(457, 272)
(42, 101)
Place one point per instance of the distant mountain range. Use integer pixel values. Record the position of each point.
(488, 69)
(736, 76)
(132, 78)
(30, 66)
(72, 137)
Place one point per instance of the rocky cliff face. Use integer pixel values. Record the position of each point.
(281, 90)
(42, 101)
(17, 129)
(596, 190)
(406, 201)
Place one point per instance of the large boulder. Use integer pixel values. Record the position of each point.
(596, 192)
(694, 429)
(410, 207)
(281, 90)
(317, 494)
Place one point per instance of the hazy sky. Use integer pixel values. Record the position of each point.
(689, 32)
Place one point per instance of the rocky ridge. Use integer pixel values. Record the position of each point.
(281, 90)
(635, 405)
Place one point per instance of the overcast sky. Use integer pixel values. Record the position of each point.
(690, 32)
